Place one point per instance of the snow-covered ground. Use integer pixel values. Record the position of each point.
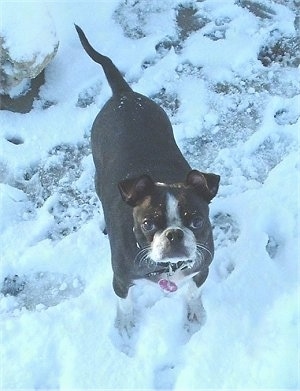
(227, 74)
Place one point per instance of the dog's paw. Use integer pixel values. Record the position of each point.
(196, 317)
(196, 312)
(125, 319)
(125, 325)
(124, 335)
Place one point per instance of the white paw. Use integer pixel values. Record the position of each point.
(125, 324)
(195, 311)
(125, 321)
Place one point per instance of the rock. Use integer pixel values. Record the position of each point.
(27, 44)
(23, 103)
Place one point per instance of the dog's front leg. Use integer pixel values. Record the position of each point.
(125, 319)
(195, 310)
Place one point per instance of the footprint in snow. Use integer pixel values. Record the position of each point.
(225, 228)
(38, 291)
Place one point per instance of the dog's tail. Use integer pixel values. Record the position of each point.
(113, 75)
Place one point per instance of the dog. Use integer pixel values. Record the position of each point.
(156, 208)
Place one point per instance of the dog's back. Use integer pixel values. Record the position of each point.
(130, 130)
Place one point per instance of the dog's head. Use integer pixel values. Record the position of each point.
(171, 221)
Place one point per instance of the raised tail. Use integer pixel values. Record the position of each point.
(113, 75)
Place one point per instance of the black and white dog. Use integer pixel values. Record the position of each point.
(155, 206)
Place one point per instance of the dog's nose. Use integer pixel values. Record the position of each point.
(174, 235)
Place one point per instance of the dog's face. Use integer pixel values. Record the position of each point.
(171, 222)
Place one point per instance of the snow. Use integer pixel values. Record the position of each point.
(24, 40)
(232, 116)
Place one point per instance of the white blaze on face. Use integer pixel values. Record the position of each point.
(160, 241)
(172, 211)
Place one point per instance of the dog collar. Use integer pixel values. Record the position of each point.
(169, 269)
(165, 283)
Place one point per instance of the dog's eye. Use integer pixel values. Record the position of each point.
(148, 225)
(196, 222)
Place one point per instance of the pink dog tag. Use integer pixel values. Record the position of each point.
(167, 285)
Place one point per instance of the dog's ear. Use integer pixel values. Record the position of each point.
(206, 185)
(135, 189)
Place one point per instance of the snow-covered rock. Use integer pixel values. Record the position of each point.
(25, 52)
